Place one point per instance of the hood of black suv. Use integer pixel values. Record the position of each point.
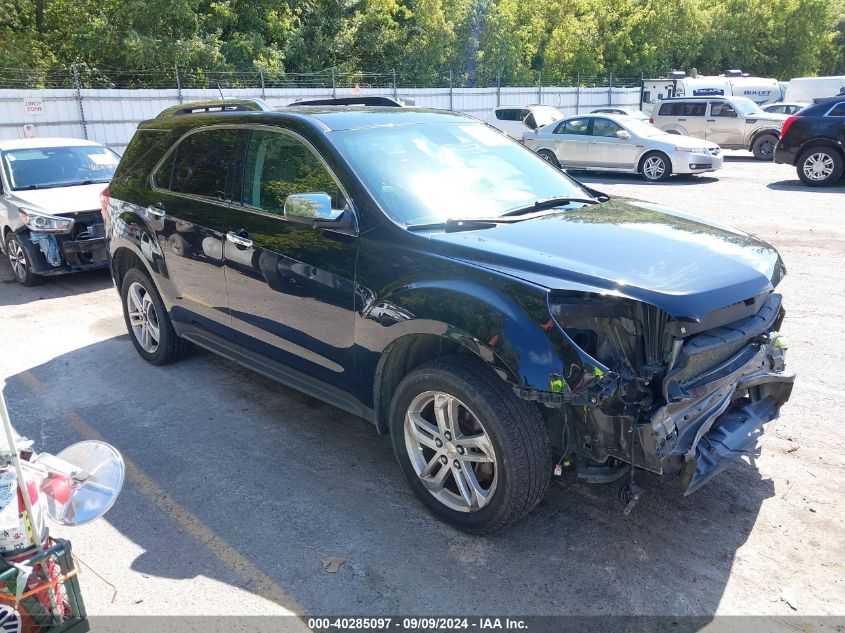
(677, 262)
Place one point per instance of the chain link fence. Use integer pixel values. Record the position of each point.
(107, 105)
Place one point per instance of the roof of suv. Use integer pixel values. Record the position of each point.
(329, 117)
(705, 97)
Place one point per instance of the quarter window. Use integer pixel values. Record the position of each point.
(278, 165)
(207, 163)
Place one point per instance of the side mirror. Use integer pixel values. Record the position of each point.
(623, 134)
(315, 209)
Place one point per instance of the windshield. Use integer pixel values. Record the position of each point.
(44, 167)
(423, 174)
(746, 106)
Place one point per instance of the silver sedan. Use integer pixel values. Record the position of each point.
(610, 142)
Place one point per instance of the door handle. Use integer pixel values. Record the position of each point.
(711, 120)
(156, 210)
(681, 119)
(239, 240)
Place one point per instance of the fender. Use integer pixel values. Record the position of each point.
(514, 336)
(130, 230)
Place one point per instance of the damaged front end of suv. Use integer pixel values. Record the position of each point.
(677, 396)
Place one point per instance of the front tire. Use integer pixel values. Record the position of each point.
(475, 455)
(20, 262)
(820, 166)
(656, 167)
(147, 320)
(763, 147)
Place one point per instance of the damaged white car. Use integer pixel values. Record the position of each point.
(50, 217)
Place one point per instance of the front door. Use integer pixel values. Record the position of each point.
(193, 192)
(290, 286)
(607, 150)
(723, 124)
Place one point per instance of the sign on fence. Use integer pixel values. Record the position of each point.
(33, 106)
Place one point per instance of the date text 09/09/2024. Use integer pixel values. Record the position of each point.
(416, 623)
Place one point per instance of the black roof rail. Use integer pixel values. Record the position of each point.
(361, 100)
(216, 107)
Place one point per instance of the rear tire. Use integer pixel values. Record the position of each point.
(484, 461)
(549, 157)
(20, 262)
(656, 167)
(763, 147)
(147, 321)
(820, 166)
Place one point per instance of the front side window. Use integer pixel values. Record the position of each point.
(722, 110)
(430, 173)
(278, 165)
(605, 127)
(47, 167)
(206, 164)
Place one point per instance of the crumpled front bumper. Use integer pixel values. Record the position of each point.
(720, 417)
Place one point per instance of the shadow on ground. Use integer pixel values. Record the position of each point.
(288, 481)
(797, 185)
(680, 180)
(50, 287)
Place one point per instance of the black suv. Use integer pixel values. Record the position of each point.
(814, 141)
(425, 272)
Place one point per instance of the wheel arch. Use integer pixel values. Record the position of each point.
(758, 133)
(819, 141)
(123, 260)
(510, 341)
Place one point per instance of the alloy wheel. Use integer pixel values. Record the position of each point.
(450, 451)
(654, 167)
(143, 317)
(818, 166)
(17, 258)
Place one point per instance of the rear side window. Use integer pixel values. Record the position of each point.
(508, 114)
(694, 109)
(207, 163)
(671, 109)
(576, 126)
(838, 110)
(278, 165)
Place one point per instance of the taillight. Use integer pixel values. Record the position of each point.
(651, 120)
(786, 125)
(104, 204)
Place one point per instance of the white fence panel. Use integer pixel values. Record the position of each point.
(110, 116)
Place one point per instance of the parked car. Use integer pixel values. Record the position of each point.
(612, 142)
(493, 315)
(50, 219)
(732, 122)
(632, 112)
(515, 120)
(813, 141)
(784, 108)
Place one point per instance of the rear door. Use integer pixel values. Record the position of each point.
(573, 148)
(693, 118)
(194, 190)
(290, 285)
(607, 150)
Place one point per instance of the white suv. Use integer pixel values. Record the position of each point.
(516, 120)
(730, 122)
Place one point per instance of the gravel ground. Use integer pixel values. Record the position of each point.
(239, 488)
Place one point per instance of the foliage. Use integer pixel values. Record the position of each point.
(517, 41)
